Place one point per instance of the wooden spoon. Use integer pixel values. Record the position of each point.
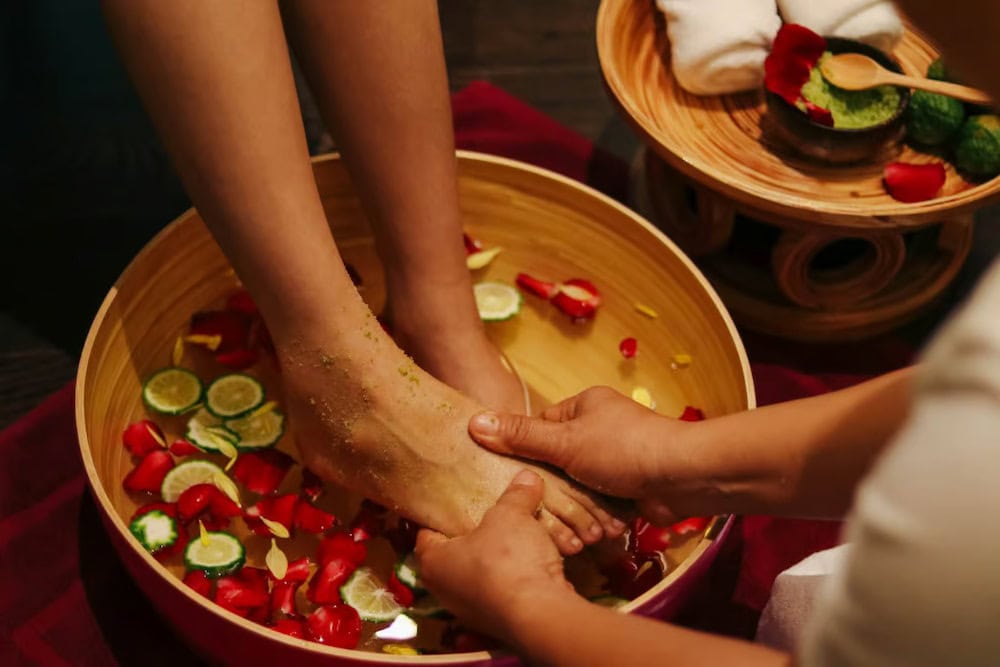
(854, 71)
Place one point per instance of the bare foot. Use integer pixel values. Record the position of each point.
(368, 418)
(441, 330)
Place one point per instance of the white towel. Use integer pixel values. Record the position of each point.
(719, 46)
(874, 22)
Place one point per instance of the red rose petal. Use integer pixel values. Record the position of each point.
(403, 537)
(238, 359)
(283, 598)
(231, 326)
(148, 474)
(324, 587)
(241, 302)
(628, 347)
(630, 576)
(335, 625)
(649, 538)
(578, 298)
(275, 508)
(195, 500)
(402, 593)
(298, 571)
(239, 595)
(369, 521)
(139, 438)
(312, 485)
(293, 627)
(341, 545)
(472, 246)
(312, 519)
(200, 583)
(170, 509)
(913, 182)
(692, 525)
(263, 471)
(222, 508)
(793, 54)
(818, 114)
(541, 288)
(182, 447)
(691, 414)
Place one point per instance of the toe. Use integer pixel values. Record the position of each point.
(565, 539)
(605, 515)
(573, 513)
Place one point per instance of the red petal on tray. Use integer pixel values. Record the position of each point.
(231, 326)
(239, 595)
(275, 508)
(628, 347)
(578, 298)
(400, 591)
(691, 414)
(913, 182)
(312, 485)
(140, 438)
(335, 625)
(238, 359)
(818, 114)
(472, 246)
(170, 509)
(283, 591)
(298, 571)
(369, 521)
(293, 627)
(195, 500)
(403, 537)
(341, 545)
(263, 471)
(793, 54)
(541, 288)
(312, 519)
(221, 507)
(324, 587)
(241, 302)
(649, 539)
(691, 525)
(148, 474)
(196, 580)
(182, 447)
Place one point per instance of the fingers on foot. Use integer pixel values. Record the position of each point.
(565, 539)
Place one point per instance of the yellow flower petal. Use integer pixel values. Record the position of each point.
(156, 436)
(277, 529)
(264, 409)
(642, 396)
(481, 259)
(647, 311)
(203, 534)
(399, 649)
(227, 486)
(178, 354)
(681, 360)
(276, 561)
(211, 342)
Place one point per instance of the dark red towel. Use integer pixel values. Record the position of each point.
(63, 596)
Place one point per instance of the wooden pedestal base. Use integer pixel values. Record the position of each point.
(786, 277)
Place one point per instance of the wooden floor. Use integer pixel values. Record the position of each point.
(541, 51)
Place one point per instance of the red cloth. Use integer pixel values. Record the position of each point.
(63, 596)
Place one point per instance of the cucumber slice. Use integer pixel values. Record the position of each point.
(216, 554)
(257, 430)
(496, 301)
(185, 475)
(155, 530)
(369, 597)
(172, 391)
(612, 601)
(204, 430)
(233, 395)
(408, 575)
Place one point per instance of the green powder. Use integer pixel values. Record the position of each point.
(851, 109)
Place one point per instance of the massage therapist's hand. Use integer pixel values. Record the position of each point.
(605, 441)
(489, 575)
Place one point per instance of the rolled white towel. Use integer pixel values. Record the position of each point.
(874, 22)
(719, 46)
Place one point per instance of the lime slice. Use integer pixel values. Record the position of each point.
(172, 391)
(369, 597)
(185, 475)
(257, 430)
(496, 301)
(214, 553)
(205, 431)
(233, 395)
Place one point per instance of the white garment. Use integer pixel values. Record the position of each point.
(873, 22)
(719, 46)
(920, 584)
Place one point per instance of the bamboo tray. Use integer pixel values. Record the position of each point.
(723, 143)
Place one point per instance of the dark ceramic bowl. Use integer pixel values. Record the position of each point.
(829, 144)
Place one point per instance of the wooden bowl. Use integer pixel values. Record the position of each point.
(548, 225)
(839, 145)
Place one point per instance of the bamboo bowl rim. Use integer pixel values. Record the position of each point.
(717, 528)
(633, 54)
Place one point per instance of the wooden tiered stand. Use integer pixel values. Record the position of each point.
(795, 248)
